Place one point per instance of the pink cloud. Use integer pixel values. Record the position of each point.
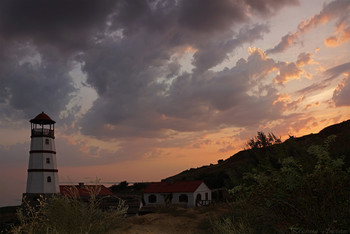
(337, 9)
(288, 71)
(342, 35)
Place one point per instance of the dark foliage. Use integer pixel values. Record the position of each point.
(294, 198)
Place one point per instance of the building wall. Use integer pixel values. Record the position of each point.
(159, 199)
(176, 199)
(37, 181)
(203, 190)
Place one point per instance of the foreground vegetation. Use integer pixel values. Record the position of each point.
(292, 197)
(62, 215)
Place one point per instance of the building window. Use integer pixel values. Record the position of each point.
(183, 198)
(152, 198)
(48, 160)
(49, 179)
(206, 196)
(47, 141)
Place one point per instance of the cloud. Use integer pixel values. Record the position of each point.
(330, 75)
(207, 18)
(268, 7)
(63, 23)
(287, 72)
(337, 9)
(137, 105)
(125, 48)
(341, 36)
(334, 72)
(304, 59)
(33, 81)
(341, 95)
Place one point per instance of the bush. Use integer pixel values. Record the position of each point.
(292, 199)
(60, 214)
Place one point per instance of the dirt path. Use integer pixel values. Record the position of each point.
(173, 220)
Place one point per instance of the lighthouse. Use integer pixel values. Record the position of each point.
(42, 168)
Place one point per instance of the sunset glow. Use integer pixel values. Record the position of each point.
(142, 90)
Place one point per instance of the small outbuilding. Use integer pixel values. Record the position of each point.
(186, 193)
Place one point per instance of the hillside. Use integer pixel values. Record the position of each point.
(229, 172)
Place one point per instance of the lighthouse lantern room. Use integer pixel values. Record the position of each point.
(42, 169)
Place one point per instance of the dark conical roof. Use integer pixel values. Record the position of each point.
(42, 118)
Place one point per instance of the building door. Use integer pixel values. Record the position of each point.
(198, 199)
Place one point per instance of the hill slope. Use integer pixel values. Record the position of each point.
(229, 172)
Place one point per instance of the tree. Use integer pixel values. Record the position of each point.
(261, 140)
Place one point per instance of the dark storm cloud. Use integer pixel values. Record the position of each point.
(34, 85)
(127, 49)
(137, 94)
(190, 103)
(207, 15)
(38, 41)
(63, 23)
(214, 52)
(268, 7)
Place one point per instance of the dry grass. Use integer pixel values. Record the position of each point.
(174, 220)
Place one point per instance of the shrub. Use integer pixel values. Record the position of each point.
(292, 199)
(61, 214)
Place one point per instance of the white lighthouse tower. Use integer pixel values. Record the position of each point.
(42, 169)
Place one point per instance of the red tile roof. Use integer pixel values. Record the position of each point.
(84, 190)
(173, 187)
(42, 118)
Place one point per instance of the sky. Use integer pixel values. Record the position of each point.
(142, 90)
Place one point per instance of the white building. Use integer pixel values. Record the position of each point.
(42, 169)
(187, 193)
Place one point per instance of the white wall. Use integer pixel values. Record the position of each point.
(159, 200)
(37, 181)
(202, 189)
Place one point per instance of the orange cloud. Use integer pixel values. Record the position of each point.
(287, 103)
(281, 98)
(331, 41)
(308, 106)
(333, 10)
(190, 49)
(304, 59)
(287, 72)
(342, 36)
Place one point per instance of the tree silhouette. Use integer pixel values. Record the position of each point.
(261, 140)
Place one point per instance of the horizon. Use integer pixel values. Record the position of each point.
(143, 90)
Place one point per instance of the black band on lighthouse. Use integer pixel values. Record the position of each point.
(42, 170)
(43, 151)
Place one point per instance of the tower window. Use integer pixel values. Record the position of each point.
(48, 160)
(49, 179)
(47, 141)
